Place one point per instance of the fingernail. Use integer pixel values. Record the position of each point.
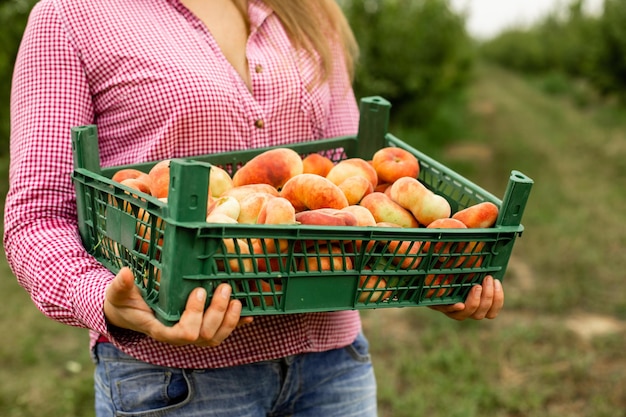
(498, 285)
(201, 294)
(236, 307)
(479, 290)
(225, 291)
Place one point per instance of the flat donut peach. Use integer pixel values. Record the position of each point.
(311, 191)
(274, 167)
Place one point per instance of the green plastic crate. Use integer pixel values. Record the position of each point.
(184, 252)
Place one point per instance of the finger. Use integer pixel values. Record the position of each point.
(486, 299)
(229, 323)
(245, 320)
(448, 308)
(219, 310)
(122, 286)
(472, 303)
(123, 295)
(125, 278)
(462, 311)
(498, 300)
(123, 304)
(187, 330)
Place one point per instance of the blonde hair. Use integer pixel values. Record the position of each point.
(314, 25)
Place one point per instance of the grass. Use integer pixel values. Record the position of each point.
(533, 361)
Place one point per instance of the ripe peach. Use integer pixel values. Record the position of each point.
(355, 188)
(227, 205)
(437, 280)
(144, 235)
(310, 191)
(220, 218)
(471, 257)
(317, 164)
(445, 248)
(473, 247)
(350, 168)
(219, 181)
(473, 261)
(385, 209)
(242, 262)
(332, 260)
(265, 263)
(387, 224)
(364, 217)
(160, 178)
(274, 167)
(425, 205)
(406, 253)
(446, 223)
(382, 187)
(478, 215)
(251, 205)
(131, 173)
(433, 207)
(392, 163)
(466, 255)
(326, 217)
(277, 210)
(379, 241)
(272, 288)
(242, 191)
(138, 184)
(370, 282)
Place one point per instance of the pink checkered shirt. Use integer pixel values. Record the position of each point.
(152, 78)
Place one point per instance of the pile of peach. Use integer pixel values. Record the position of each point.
(280, 187)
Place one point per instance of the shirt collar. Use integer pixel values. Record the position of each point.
(258, 12)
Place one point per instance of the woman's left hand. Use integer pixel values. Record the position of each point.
(483, 301)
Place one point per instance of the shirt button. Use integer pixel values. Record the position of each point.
(259, 124)
(258, 68)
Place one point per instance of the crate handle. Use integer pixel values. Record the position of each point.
(515, 198)
(85, 147)
(189, 190)
(85, 155)
(373, 125)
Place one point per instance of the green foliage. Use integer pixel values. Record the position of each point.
(569, 42)
(416, 54)
(610, 67)
(13, 17)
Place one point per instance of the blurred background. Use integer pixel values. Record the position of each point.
(485, 87)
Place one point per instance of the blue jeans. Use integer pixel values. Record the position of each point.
(336, 383)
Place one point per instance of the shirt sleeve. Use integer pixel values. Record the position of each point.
(50, 94)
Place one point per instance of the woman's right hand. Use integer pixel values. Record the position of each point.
(124, 307)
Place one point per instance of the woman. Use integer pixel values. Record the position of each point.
(173, 78)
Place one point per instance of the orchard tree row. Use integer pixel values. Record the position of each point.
(570, 42)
